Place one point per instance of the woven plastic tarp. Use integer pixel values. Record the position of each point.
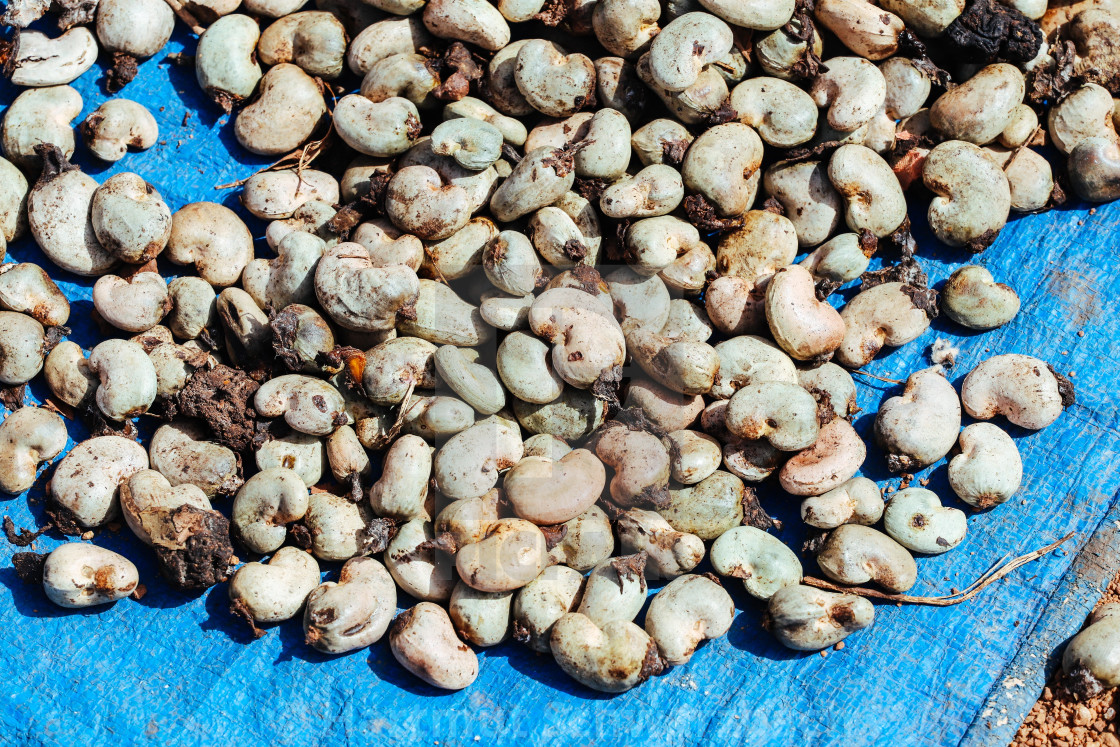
(175, 668)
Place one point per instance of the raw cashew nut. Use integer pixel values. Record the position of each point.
(972, 297)
(402, 490)
(670, 553)
(134, 305)
(128, 379)
(920, 426)
(418, 569)
(181, 454)
(382, 128)
(468, 464)
(211, 238)
(833, 459)
(709, 508)
(784, 414)
(689, 610)
(1025, 390)
(853, 91)
(226, 60)
(78, 575)
(761, 560)
(870, 189)
(554, 82)
(117, 126)
(287, 94)
(587, 341)
(546, 491)
(38, 61)
(613, 658)
(353, 612)
(423, 640)
(973, 197)
(858, 501)
(511, 554)
(888, 314)
(27, 288)
(808, 619)
(806, 328)
(916, 520)
(309, 405)
(855, 554)
(543, 601)
(360, 296)
(722, 165)
(275, 591)
(265, 505)
(58, 213)
(39, 116)
(28, 436)
(1090, 657)
(784, 115)
(978, 110)
(989, 469)
(640, 462)
(87, 479)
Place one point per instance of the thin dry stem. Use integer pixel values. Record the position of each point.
(880, 378)
(300, 158)
(392, 433)
(987, 579)
(186, 17)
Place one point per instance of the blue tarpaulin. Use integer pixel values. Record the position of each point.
(175, 668)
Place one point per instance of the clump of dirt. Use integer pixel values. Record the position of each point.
(1061, 719)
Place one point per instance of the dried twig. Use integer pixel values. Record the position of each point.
(186, 17)
(995, 573)
(880, 378)
(404, 408)
(300, 158)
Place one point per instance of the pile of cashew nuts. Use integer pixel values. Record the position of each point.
(530, 322)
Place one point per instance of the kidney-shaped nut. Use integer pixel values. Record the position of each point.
(888, 314)
(685, 47)
(752, 14)
(511, 554)
(482, 618)
(669, 553)
(640, 462)
(39, 61)
(1090, 659)
(130, 218)
(693, 456)
(541, 178)
(275, 195)
(419, 569)
(288, 95)
(806, 328)
(37, 116)
(972, 298)
(857, 501)
(543, 601)
(853, 91)
(275, 591)
(626, 27)
(314, 40)
(265, 505)
(972, 196)
(133, 305)
(989, 469)
(784, 115)
(353, 612)
(359, 296)
(722, 165)
(782, 413)
(689, 610)
(855, 554)
(117, 126)
(338, 526)
(77, 575)
(587, 341)
(58, 213)
(211, 238)
(920, 426)
(835, 457)
(1025, 390)
(915, 519)
(180, 452)
(423, 640)
(762, 561)
(226, 60)
(551, 80)
(808, 619)
(402, 490)
(709, 508)
(834, 381)
(87, 479)
(468, 464)
(870, 190)
(28, 436)
(613, 658)
(684, 366)
(27, 288)
(546, 491)
(1094, 169)
(128, 379)
(978, 109)
(309, 405)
